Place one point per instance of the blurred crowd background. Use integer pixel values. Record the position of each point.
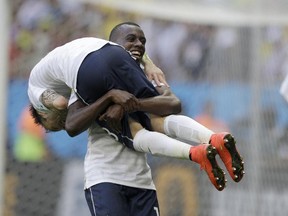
(227, 76)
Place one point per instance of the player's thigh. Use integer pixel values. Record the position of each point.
(157, 123)
(130, 125)
(144, 202)
(134, 126)
(107, 199)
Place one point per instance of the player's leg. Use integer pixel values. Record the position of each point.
(134, 136)
(160, 144)
(180, 126)
(185, 128)
(107, 199)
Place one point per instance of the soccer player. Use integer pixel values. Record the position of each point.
(107, 68)
(132, 38)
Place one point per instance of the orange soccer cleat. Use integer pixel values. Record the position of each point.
(225, 145)
(205, 156)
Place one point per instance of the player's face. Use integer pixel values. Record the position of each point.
(132, 38)
(54, 121)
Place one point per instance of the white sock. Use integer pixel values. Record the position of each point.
(160, 144)
(186, 128)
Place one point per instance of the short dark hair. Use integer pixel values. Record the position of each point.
(114, 31)
(35, 115)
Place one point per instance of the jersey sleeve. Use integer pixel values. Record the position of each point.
(34, 94)
(73, 98)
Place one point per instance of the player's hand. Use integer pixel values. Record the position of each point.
(52, 100)
(154, 73)
(128, 101)
(113, 116)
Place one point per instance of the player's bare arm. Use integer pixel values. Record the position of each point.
(158, 107)
(80, 116)
(165, 104)
(53, 100)
(152, 71)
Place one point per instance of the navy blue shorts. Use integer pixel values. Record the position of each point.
(108, 199)
(112, 67)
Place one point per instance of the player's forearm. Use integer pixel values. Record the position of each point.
(149, 66)
(81, 116)
(165, 104)
(153, 72)
(160, 105)
(146, 61)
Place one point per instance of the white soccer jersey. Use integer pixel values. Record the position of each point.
(107, 160)
(58, 69)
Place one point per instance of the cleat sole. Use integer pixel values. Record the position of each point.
(237, 160)
(218, 173)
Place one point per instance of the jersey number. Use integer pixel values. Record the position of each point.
(156, 210)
